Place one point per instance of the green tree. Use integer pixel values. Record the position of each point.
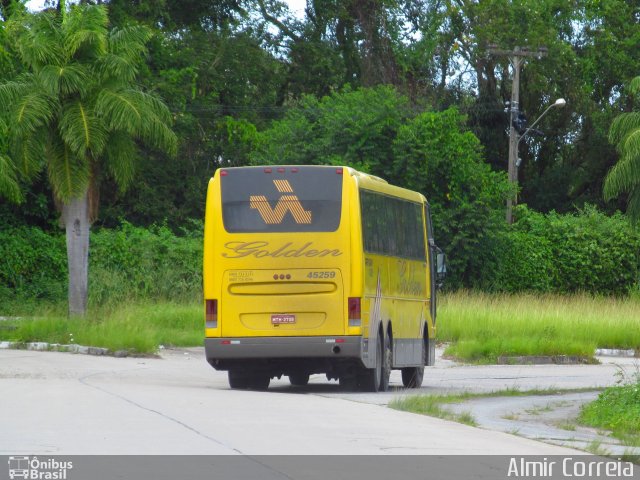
(624, 177)
(377, 131)
(77, 113)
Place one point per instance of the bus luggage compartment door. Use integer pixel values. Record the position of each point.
(282, 302)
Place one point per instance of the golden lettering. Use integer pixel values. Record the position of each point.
(264, 249)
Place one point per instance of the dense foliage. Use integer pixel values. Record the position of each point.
(126, 263)
(583, 252)
(407, 90)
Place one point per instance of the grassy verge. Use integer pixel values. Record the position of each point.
(432, 405)
(139, 327)
(482, 327)
(616, 409)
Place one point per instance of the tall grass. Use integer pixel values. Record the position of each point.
(482, 327)
(139, 327)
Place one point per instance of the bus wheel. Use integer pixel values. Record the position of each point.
(348, 383)
(412, 377)
(299, 379)
(371, 377)
(238, 379)
(259, 382)
(386, 365)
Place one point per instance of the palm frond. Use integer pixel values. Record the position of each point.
(11, 91)
(630, 145)
(69, 174)
(121, 157)
(623, 177)
(28, 153)
(633, 206)
(81, 130)
(120, 111)
(9, 186)
(622, 125)
(153, 103)
(65, 79)
(129, 42)
(37, 39)
(634, 86)
(139, 114)
(111, 66)
(157, 133)
(32, 111)
(126, 50)
(86, 27)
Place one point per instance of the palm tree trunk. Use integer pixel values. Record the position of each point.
(75, 215)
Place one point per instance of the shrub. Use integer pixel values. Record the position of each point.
(127, 263)
(582, 252)
(33, 264)
(132, 262)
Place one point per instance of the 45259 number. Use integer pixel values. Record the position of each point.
(321, 275)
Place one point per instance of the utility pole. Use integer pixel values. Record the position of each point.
(516, 58)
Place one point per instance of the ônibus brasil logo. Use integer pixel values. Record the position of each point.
(35, 469)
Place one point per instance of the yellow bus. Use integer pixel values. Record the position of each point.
(317, 269)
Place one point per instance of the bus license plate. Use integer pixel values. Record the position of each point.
(283, 319)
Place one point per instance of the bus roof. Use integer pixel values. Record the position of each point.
(363, 180)
(380, 185)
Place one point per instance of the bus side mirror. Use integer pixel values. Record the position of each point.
(441, 268)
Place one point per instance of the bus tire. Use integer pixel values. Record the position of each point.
(371, 378)
(259, 382)
(385, 373)
(348, 383)
(299, 379)
(412, 376)
(238, 380)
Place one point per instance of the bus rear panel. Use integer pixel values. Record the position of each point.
(285, 267)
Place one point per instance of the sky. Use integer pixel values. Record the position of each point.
(296, 6)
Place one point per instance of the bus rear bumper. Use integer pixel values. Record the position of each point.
(282, 347)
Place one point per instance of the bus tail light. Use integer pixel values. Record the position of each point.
(211, 317)
(355, 318)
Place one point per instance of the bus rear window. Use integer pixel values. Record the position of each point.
(281, 199)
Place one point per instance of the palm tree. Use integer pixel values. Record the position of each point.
(625, 175)
(78, 115)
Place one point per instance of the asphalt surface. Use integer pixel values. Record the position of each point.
(61, 403)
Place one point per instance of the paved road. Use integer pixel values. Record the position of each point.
(58, 403)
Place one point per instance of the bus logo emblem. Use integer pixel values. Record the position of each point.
(286, 203)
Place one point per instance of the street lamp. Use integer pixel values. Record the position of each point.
(561, 102)
(514, 160)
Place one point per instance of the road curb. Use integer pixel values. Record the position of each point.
(616, 352)
(57, 347)
(545, 360)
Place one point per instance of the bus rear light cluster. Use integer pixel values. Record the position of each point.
(355, 317)
(211, 316)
